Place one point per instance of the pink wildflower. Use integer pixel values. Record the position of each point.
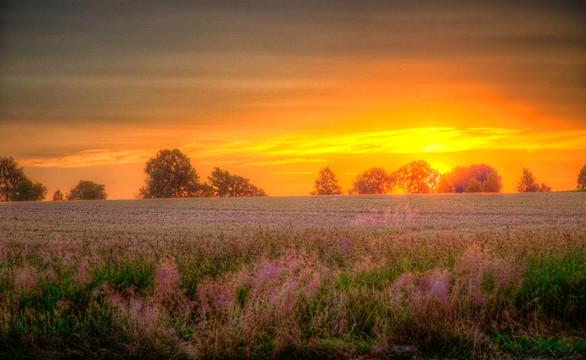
(167, 280)
(435, 284)
(26, 278)
(82, 277)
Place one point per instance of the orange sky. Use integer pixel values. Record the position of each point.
(274, 92)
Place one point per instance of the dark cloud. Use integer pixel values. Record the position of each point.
(105, 60)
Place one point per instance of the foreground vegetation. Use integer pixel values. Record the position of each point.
(459, 276)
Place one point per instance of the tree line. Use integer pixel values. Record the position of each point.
(418, 177)
(16, 186)
(170, 175)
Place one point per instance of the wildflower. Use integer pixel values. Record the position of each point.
(166, 280)
(215, 296)
(26, 278)
(267, 270)
(82, 276)
(435, 285)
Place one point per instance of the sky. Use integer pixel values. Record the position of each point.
(276, 90)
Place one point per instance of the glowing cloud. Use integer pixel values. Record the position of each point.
(303, 148)
(404, 141)
(89, 158)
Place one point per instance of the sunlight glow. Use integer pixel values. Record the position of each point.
(314, 148)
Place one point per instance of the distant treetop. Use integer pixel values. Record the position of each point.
(460, 177)
(224, 184)
(373, 181)
(527, 183)
(326, 183)
(15, 186)
(417, 177)
(444, 185)
(170, 175)
(493, 183)
(474, 186)
(88, 190)
(58, 196)
(582, 178)
(10, 175)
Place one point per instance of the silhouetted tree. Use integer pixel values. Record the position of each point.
(58, 195)
(224, 184)
(444, 185)
(461, 175)
(373, 181)
(492, 183)
(27, 191)
(10, 176)
(582, 178)
(220, 181)
(326, 183)
(202, 190)
(527, 182)
(241, 186)
(474, 186)
(544, 188)
(417, 177)
(169, 175)
(88, 190)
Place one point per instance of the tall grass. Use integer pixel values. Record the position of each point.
(390, 281)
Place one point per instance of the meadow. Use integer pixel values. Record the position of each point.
(340, 277)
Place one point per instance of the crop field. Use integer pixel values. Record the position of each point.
(341, 277)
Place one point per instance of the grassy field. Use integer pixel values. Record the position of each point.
(432, 276)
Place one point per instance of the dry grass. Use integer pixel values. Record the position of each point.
(454, 275)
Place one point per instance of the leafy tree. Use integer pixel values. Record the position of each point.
(527, 182)
(474, 186)
(582, 178)
(220, 181)
(444, 185)
(201, 190)
(27, 191)
(88, 190)
(373, 181)
(241, 186)
(492, 183)
(58, 195)
(417, 177)
(544, 188)
(326, 183)
(10, 176)
(169, 175)
(460, 175)
(224, 184)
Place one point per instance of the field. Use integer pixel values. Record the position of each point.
(401, 276)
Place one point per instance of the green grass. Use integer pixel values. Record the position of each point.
(525, 347)
(556, 287)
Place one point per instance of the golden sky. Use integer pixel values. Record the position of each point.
(275, 90)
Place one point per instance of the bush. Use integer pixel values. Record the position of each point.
(27, 191)
(88, 190)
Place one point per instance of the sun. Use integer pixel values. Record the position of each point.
(432, 181)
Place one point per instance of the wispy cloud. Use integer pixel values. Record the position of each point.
(311, 148)
(88, 158)
(292, 172)
(281, 162)
(408, 141)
